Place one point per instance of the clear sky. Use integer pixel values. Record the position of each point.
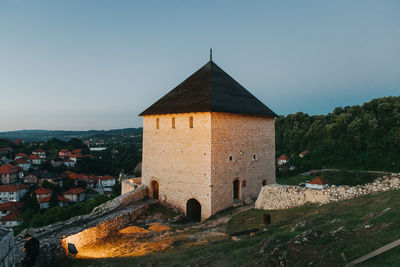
(83, 65)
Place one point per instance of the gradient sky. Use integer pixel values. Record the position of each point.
(83, 65)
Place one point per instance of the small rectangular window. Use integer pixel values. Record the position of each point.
(230, 158)
(158, 123)
(254, 157)
(173, 123)
(190, 122)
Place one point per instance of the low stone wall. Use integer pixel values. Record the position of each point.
(276, 196)
(7, 248)
(82, 230)
(130, 184)
(125, 199)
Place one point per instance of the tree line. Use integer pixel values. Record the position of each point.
(363, 137)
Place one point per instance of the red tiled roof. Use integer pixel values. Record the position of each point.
(8, 169)
(62, 199)
(283, 157)
(76, 151)
(75, 191)
(17, 141)
(107, 177)
(43, 191)
(20, 155)
(39, 150)
(20, 169)
(12, 188)
(33, 157)
(12, 216)
(318, 180)
(4, 149)
(45, 199)
(11, 206)
(20, 161)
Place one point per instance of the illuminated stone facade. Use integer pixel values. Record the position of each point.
(204, 161)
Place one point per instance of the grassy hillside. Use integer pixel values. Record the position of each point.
(310, 235)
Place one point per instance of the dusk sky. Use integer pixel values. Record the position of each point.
(80, 65)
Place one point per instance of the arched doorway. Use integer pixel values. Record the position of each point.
(236, 188)
(154, 189)
(264, 182)
(193, 210)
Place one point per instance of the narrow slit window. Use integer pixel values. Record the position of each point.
(230, 158)
(190, 122)
(173, 123)
(254, 157)
(157, 123)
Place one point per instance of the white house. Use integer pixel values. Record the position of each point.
(75, 194)
(282, 160)
(40, 153)
(70, 163)
(106, 182)
(45, 202)
(9, 174)
(11, 219)
(12, 192)
(35, 159)
(42, 193)
(23, 163)
(62, 201)
(317, 183)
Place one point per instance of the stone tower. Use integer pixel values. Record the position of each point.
(207, 144)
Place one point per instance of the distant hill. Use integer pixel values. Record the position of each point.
(44, 135)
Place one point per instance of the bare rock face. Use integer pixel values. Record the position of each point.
(7, 248)
(276, 196)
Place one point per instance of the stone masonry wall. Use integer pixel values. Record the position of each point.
(82, 230)
(179, 159)
(275, 196)
(250, 141)
(7, 248)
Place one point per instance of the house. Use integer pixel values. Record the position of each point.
(35, 159)
(76, 157)
(9, 174)
(18, 141)
(20, 155)
(5, 153)
(31, 179)
(23, 162)
(62, 201)
(8, 207)
(43, 193)
(12, 193)
(63, 153)
(44, 203)
(302, 154)
(40, 153)
(106, 183)
(317, 183)
(11, 219)
(69, 163)
(283, 160)
(75, 194)
(76, 152)
(207, 144)
(47, 176)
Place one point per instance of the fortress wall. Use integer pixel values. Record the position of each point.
(275, 196)
(178, 159)
(241, 137)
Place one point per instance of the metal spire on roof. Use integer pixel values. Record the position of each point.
(210, 54)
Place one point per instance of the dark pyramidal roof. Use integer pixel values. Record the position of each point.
(209, 89)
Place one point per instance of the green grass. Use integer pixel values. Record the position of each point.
(342, 177)
(355, 240)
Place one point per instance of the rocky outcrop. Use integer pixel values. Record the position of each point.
(7, 248)
(111, 216)
(276, 196)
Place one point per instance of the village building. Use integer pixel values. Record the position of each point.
(11, 219)
(20, 155)
(35, 159)
(64, 153)
(283, 160)
(9, 211)
(317, 183)
(40, 153)
(106, 183)
(9, 174)
(75, 194)
(69, 163)
(12, 193)
(24, 163)
(42, 193)
(207, 144)
(31, 179)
